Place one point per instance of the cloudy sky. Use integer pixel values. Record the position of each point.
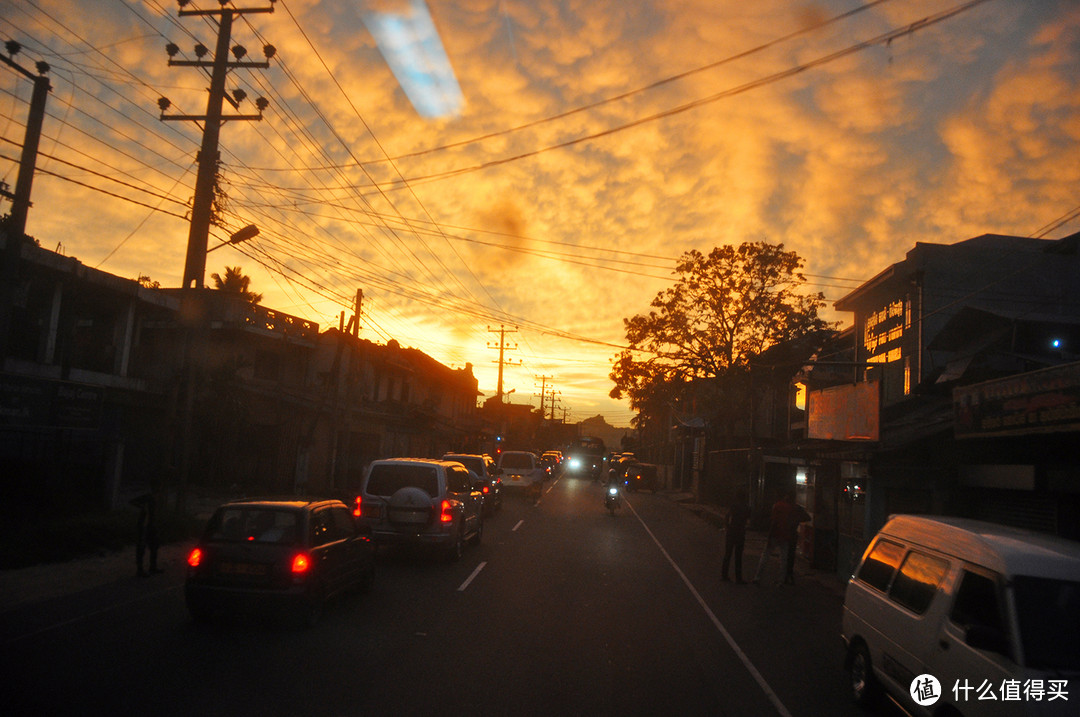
(597, 141)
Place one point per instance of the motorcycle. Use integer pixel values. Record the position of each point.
(611, 498)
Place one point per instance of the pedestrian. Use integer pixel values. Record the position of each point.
(797, 515)
(735, 535)
(146, 538)
(779, 533)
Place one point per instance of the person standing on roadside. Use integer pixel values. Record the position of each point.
(797, 515)
(146, 538)
(779, 533)
(735, 535)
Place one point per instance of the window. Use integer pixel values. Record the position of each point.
(518, 461)
(1048, 611)
(344, 523)
(457, 480)
(387, 478)
(322, 528)
(880, 564)
(918, 580)
(256, 525)
(976, 602)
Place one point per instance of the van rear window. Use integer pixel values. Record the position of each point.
(880, 564)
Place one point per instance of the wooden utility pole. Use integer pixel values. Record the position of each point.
(543, 396)
(20, 200)
(503, 347)
(202, 207)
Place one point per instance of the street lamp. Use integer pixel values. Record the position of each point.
(249, 232)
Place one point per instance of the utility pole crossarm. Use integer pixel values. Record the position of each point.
(206, 179)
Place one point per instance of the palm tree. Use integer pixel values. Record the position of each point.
(235, 282)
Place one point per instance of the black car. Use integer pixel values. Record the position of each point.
(278, 556)
(641, 476)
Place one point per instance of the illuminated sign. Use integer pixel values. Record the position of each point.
(882, 328)
(845, 413)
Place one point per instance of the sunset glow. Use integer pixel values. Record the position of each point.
(594, 141)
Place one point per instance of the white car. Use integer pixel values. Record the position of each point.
(520, 469)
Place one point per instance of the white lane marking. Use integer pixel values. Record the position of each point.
(514, 529)
(716, 623)
(471, 577)
(552, 486)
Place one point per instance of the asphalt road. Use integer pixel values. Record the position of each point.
(563, 609)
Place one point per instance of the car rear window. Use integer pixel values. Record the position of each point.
(388, 478)
(255, 524)
(518, 460)
(475, 464)
(878, 567)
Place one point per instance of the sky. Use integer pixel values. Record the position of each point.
(595, 142)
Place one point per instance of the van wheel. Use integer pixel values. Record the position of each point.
(865, 690)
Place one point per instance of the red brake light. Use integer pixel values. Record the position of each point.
(486, 489)
(447, 514)
(358, 511)
(300, 563)
(194, 558)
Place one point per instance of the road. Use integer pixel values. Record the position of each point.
(563, 609)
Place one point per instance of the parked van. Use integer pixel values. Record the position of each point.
(991, 613)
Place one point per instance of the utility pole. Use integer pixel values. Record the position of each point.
(543, 394)
(503, 347)
(202, 208)
(20, 200)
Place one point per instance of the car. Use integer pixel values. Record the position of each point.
(277, 556)
(487, 473)
(641, 476)
(955, 616)
(520, 469)
(550, 463)
(421, 502)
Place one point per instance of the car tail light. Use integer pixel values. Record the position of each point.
(358, 510)
(486, 489)
(301, 563)
(194, 558)
(447, 513)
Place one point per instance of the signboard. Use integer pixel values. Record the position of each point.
(1046, 401)
(33, 402)
(844, 413)
(882, 331)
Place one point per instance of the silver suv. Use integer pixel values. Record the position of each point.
(420, 502)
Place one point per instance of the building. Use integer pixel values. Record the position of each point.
(107, 385)
(995, 311)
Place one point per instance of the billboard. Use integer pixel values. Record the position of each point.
(1045, 401)
(844, 413)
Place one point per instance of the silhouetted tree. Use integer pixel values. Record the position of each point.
(699, 338)
(236, 282)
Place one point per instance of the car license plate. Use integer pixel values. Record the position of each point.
(515, 479)
(242, 569)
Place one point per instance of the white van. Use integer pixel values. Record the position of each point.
(990, 614)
